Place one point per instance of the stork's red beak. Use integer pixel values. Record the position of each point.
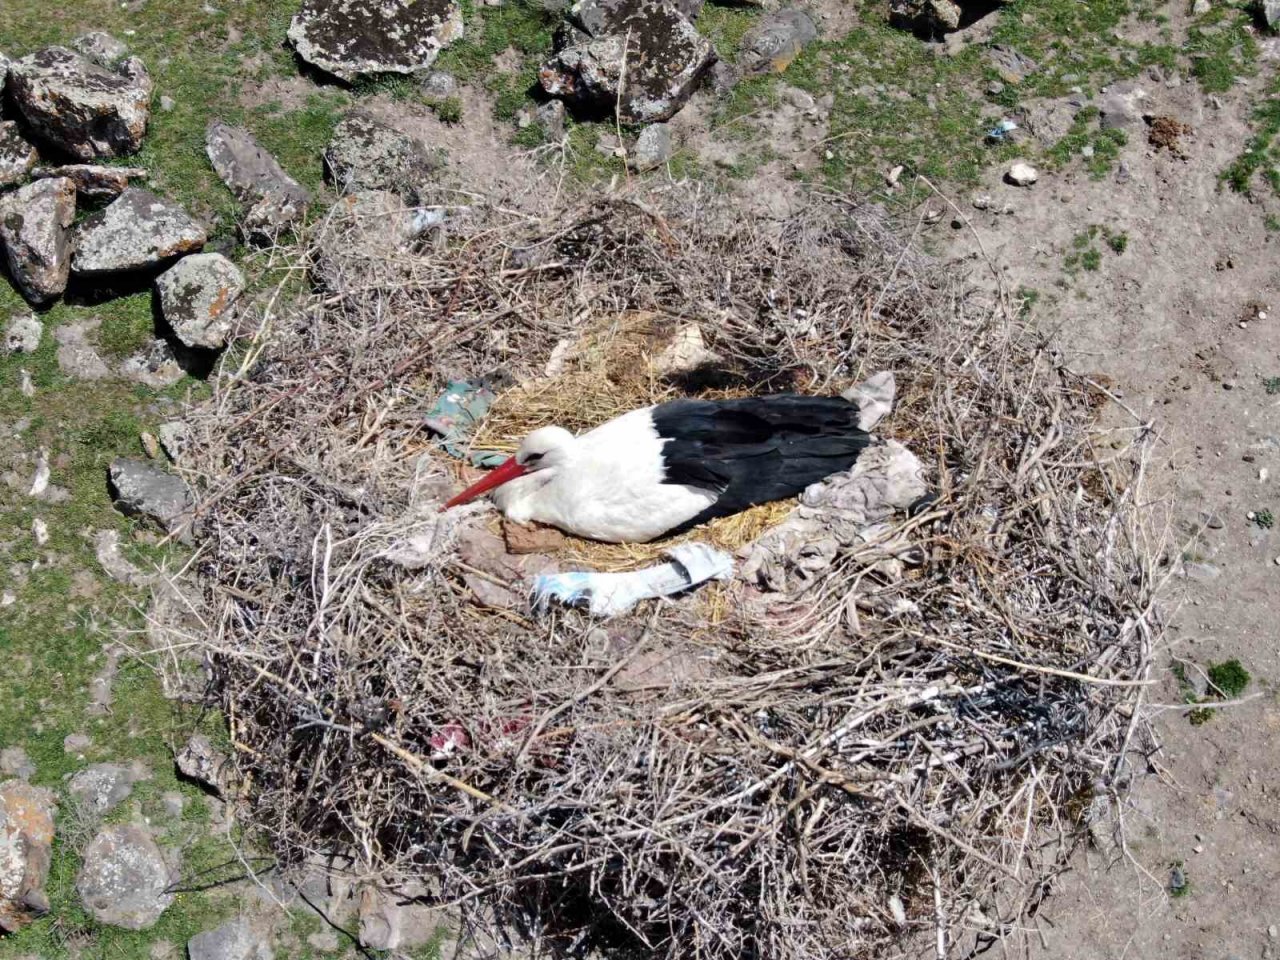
(495, 478)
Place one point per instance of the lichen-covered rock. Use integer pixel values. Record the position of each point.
(124, 878)
(352, 38)
(35, 229)
(198, 298)
(77, 357)
(655, 47)
(17, 156)
(155, 366)
(138, 230)
(22, 333)
(274, 200)
(773, 43)
(80, 107)
(653, 147)
(366, 154)
(100, 48)
(26, 848)
(143, 489)
(101, 787)
(234, 940)
(931, 18)
(199, 761)
(92, 181)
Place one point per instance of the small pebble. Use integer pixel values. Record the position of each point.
(1198, 848)
(1273, 932)
(1022, 175)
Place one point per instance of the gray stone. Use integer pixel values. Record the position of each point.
(81, 107)
(926, 17)
(136, 231)
(366, 154)
(144, 489)
(234, 940)
(389, 921)
(198, 297)
(17, 156)
(76, 356)
(656, 47)
(550, 117)
(653, 147)
(1203, 572)
(106, 548)
(200, 762)
(76, 743)
(439, 85)
(274, 200)
(325, 942)
(26, 850)
(155, 366)
(173, 803)
(1121, 107)
(1271, 11)
(124, 878)
(167, 103)
(100, 48)
(1022, 175)
(773, 43)
(93, 181)
(14, 762)
(22, 333)
(1049, 120)
(1013, 67)
(600, 17)
(35, 228)
(174, 438)
(352, 38)
(723, 77)
(1212, 520)
(104, 786)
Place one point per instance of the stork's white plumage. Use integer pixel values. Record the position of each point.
(659, 470)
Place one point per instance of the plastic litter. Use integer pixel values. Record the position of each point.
(1001, 130)
(609, 594)
(456, 415)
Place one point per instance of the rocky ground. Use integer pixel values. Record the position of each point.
(1111, 163)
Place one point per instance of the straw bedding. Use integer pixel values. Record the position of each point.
(863, 766)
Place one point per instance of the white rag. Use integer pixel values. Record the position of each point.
(609, 594)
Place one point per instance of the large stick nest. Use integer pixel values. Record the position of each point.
(821, 775)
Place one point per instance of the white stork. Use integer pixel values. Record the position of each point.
(661, 470)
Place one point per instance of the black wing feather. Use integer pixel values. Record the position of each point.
(756, 449)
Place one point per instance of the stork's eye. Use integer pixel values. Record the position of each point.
(532, 458)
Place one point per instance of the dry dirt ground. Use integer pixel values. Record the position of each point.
(1164, 321)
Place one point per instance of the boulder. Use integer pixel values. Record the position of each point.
(17, 156)
(22, 333)
(198, 299)
(35, 229)
(653, 147)
(143, 489)
(124, 878)
(773, 43)
(136, 231)
(366, 154)
(656, 47)
(80, 107)
(1012, 65)
(352, 38)
(100, 48)
(234, 940)
(155, 366)
(26, 849)
(275, 201)
(102, 787)
(92, 181)
(1022, 175)
(928, 18)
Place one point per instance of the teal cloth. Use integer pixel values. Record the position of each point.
(455, 417)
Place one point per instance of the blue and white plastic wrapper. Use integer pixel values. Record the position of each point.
(610, 594)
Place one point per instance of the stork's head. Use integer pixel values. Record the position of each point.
(544, 450)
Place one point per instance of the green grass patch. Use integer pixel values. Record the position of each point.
(1271, 385)
(1264, 518)
(1099, 149)
(1222, 48)
(1260, 154)
(1085, 254)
